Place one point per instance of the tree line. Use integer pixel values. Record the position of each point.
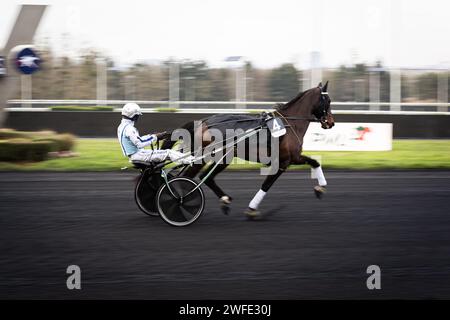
(63, 77)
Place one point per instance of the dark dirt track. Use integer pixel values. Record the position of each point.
(306, 248)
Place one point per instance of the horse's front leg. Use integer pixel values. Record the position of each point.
(320, 189)
(252, 211)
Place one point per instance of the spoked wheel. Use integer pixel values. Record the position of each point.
(178, 205)
(146, 190)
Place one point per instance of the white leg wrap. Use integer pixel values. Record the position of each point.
(257, 199)
(225, 199)
(320, 177)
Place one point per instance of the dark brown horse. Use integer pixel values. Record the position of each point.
(307, 106)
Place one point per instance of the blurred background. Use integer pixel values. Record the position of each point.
(237, 53)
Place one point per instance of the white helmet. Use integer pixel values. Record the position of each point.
(131, 109)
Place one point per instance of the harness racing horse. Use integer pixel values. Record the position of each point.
(307, 106)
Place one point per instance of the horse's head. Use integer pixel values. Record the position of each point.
(322, 109)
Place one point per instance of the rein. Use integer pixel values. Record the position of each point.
(298, 118)
(289, 125)
(259, 118)
(234, 121)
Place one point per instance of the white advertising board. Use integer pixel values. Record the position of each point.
(349, 136)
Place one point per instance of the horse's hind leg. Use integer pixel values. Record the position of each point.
(225, 200)
(192, 171)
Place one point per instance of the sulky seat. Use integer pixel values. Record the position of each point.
(142, 165)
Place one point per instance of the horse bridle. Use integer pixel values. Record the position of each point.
(321, 114)
(322, 110)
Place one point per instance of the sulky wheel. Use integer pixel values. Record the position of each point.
(178, 205)
(146, 190)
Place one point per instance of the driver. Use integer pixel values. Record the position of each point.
(133, 145)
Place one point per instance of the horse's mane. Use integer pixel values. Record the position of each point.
(284, 106)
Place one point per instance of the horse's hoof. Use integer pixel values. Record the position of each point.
(225, 208)
(252, 214)
(319, 191)
(225, 203)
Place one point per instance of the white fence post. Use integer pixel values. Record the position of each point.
(316, 69)
(174, 85)
(101, 81)
(26, 89)
(241, 86)
(395, 89)
(442, 94)
(374, 89)
(396, 48)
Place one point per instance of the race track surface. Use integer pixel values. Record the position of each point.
(305, 249)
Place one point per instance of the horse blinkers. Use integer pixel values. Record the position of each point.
(322, 112)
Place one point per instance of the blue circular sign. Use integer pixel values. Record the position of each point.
(27, 61)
